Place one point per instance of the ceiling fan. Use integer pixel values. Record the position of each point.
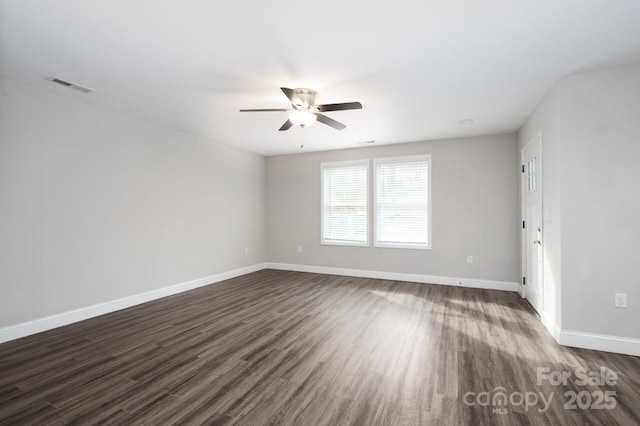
(304, 111)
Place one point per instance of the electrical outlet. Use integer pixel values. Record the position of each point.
(246, 250)
(620, 300)
(469, 259)
(299, 249)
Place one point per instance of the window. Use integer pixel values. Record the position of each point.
(402, 202)
(345, 203)
(531, 175)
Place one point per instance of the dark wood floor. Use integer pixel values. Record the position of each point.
(278, 347)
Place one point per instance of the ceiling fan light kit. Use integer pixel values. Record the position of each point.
(304, 111)
(302, 118)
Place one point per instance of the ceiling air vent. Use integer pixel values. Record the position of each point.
(70, 85)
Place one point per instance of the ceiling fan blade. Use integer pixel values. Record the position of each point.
(330, 122)
(286, 126)
(339, 107)
(264, 109)
(291, 94)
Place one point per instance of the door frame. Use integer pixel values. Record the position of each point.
(523, 214)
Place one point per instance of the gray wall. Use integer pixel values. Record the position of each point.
(601, 200)
(475, 197)
(591, 160)
(96, 205)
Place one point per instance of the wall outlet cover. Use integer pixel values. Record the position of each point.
(620, 300)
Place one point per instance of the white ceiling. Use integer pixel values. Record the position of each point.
(418, 67)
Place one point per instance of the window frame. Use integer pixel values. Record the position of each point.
(374, 205)
(338, 164)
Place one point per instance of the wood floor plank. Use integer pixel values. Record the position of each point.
(289, 348)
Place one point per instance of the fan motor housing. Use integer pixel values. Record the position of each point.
(307, 98)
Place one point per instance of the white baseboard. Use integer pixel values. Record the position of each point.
(593, 341)
(65, 318)
(551, 326)
(600, 342)
(397, 276)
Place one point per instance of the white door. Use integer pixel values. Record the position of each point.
(532, 254)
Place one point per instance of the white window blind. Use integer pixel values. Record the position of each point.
(344, 203)
(402, 202)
